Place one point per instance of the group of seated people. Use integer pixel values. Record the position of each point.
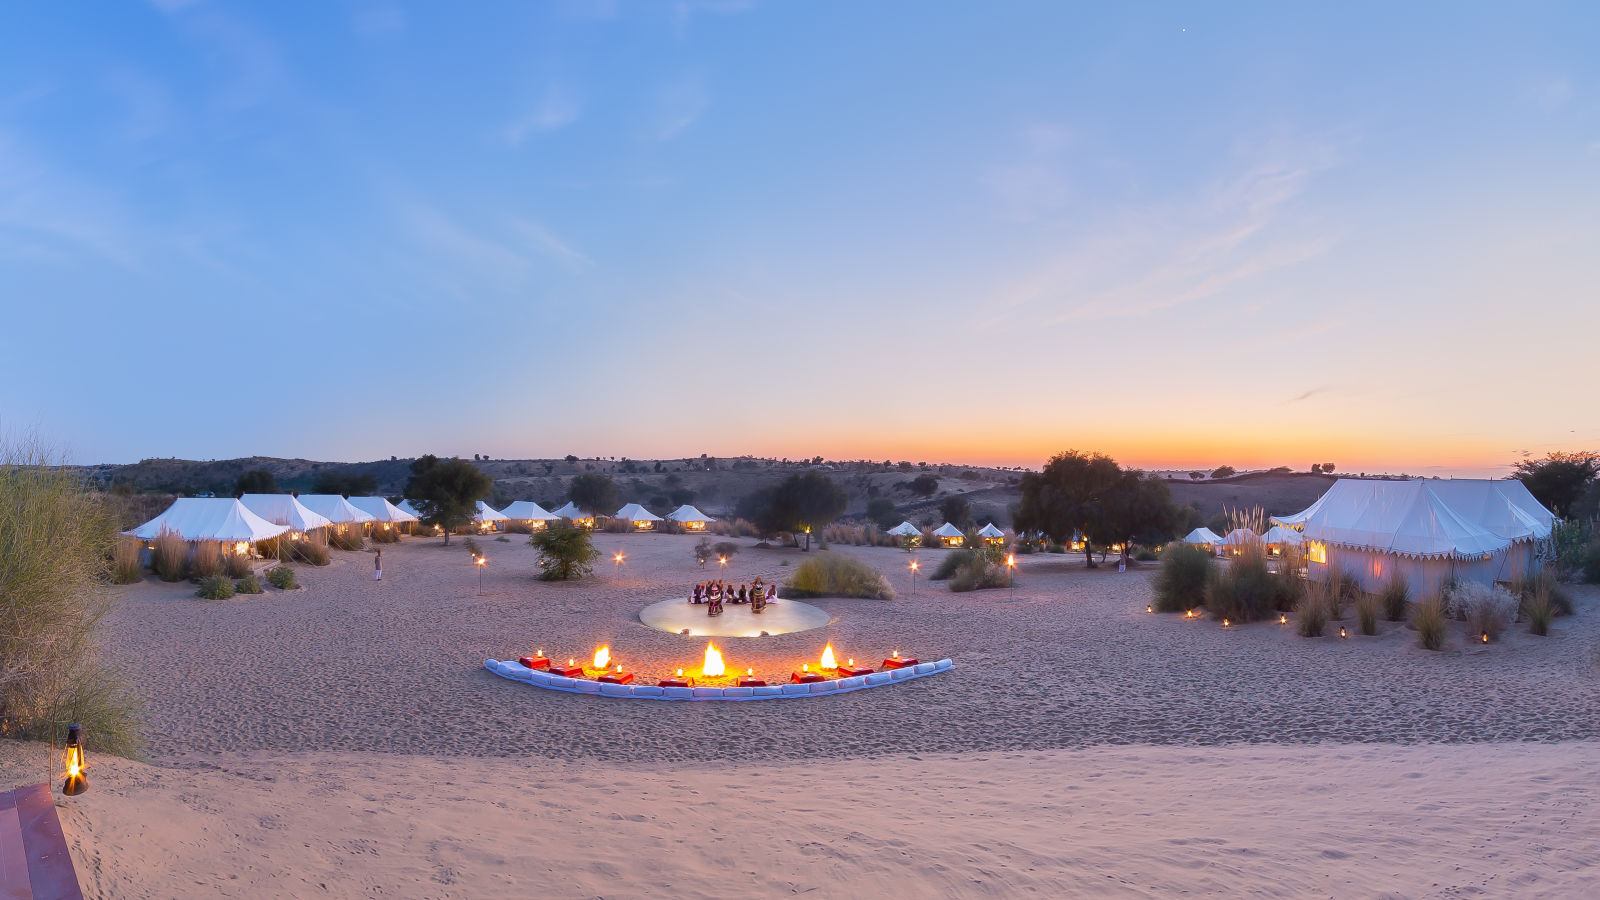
(713, 593)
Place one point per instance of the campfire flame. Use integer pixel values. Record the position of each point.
(713, 663)
(602, 657)
(827, 658)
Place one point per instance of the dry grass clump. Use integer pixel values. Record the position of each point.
(831, 575)
(1539, 610)
(1487, 609)
(1343, 587)
(170, 557)
(1367, 612)
(282, 578)
(1428, 618)
(384, 533)
(1244, 590)
(613, 525)
(313, 548)
(1180, 582)
(345, 537)
(249, 584)
(206, 561)
(125, 560)
(733, 528)
(57, 544)
(980, 569)
(215, 587)
(859, 536)
(949, 563)
(1526, 588)
(1396, 594)
(236, 565)
(1312, 611)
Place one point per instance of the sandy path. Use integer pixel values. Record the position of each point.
(1073, 662)
(1342, 821)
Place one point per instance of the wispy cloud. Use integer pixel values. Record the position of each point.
(1034, 183)
(1308, 394)
(552, 245)
(678, 105)
(557, 107)
(502, 249)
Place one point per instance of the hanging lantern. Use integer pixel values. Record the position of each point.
(76, 783)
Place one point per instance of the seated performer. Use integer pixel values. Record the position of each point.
(772, 592)
(743, 596)
(699, 593)
(714, 608)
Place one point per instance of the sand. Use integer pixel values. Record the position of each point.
(343, 740)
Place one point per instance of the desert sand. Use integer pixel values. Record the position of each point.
(343, 740)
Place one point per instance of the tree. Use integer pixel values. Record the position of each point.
(925, 484)
(1090, 495)
(1327, 468)
(565, 552)
(1223, 472)
(1560, 479)
(571, 458)
(1316, 468)
(1196, 476)
(957, 511)
(256, 481)
(805, 500)
(345, 484)
(881, 511)
(446, 491)
(594, 493)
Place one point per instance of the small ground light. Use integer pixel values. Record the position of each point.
(1283, 619)
(1486, 637)
(1149, 607)
(76, 782)
(1227, 623)
(1342, 632)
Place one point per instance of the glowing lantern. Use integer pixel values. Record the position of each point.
(897, 654)
(851, 662)
(722, 560)
(827, 658)
(1149, 608)
(619, 668)
(602, 657)
(680, 673)
(1226, 623)
(1283, 619)
(1342, 632)
(76, 783)
(805, 667)
(713, 662)
(1485, 637)
(617, 559)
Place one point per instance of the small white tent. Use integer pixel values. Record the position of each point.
(1239, 537)
(576, 516)
(991, 535)
(284, 509)
(529, 513)
(335, 509)
(949, 535)
(221, 519)
(690, 518)
(906, 529)
(487, 518)
(1278, 538)
(382, 510)
(642, 519)
(1203, 537)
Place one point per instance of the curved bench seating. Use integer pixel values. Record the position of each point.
(515, 671)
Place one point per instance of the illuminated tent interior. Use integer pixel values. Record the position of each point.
(1203, 537)
(576, 516)
(530, 514)
(642, 519)
(949, 535)
(690, 518)
(221, 519)
(991, 535)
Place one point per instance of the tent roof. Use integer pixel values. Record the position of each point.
(1278, 534)
(487, 513)
(1239, 537)
(571, 511)
(687, 513)
(528, 511)
(989, 531)
(381, 510)
(209, 519)
(906, 529)
(633, 512)
(1503, 507)
(406, 506)
(336, 508)
(1409, 518)
(284, 509)
(1202, 535)
(947, 530)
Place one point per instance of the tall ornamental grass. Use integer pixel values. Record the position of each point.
(832, 575)
(206, 561)
(1180, 582)
(57, 544)
(1429, 620)
(125, 560)
(169, 556)
(1396, 594)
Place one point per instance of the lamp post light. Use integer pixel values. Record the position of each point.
(616, 563)
(1011, 571)
(913, 568)
(482, 561)
(808, 538)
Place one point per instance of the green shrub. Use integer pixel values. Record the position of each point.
(1428, 618)
(206, 561)
(216, 587)
(282, 578)
(170, 557)
(1396, 594)
(236, 565)
(950, 563)
(565, 552)
(1180, 582)
(1055, 548)
(125, 560)
(1312, 613)
(1145, 554)
(470, 545)
(249, 584)
(1560, 601)
(1245, 590)
(1367, 612)
(979, 572)
(831, 575)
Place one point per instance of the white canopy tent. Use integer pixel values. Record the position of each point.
(906, 529)
(1203, 537)
(528, 511)
(690, 518)
(576, 516)
(642, 519)
(1278, 538)
(989, 534)
(335, 509)
(221, 519)
(487, 516)
(382, 510)
(949, 535)
(284, 509)
(409, 508)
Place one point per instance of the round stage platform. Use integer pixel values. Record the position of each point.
(780, 617)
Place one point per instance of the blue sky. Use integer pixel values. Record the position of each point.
(984, 232)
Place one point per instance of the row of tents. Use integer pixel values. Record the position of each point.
(951, 537)
(1427, 531)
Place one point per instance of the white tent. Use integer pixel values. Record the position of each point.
(487, 515)
(528, 511)
(409, 508)
(1278, 537)
(284, 509)
(690, 518)
(949, 535)
(642, 519)
(576, 516)
(1240, 537)
(382, 510)
(1427, 531)
(209, 519)
(989, 531)
(1203, 537)
(335, 509)
(906, 529)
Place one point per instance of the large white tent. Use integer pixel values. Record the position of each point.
(530, 514)
(487, 516)
(1426, 530)
(409, 508)
(690, 518)
(906, 529)
(572, 513)
(949, 535)
(284, 509)
(989, 534)
(1239, 537)
(642, 519)
(1279, 537)
(335, 509)
(221, 519)
(382, 510)
(1203, 537)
